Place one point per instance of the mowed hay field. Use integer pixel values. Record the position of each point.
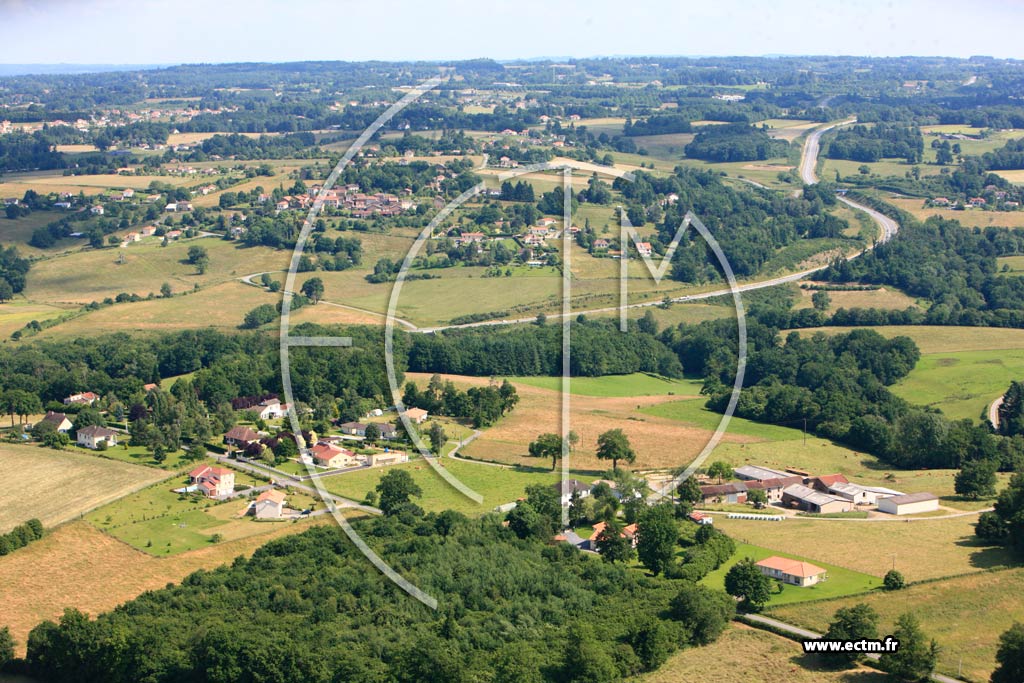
(969, 219)
(17, 313)
(94, 274)
(884, 298)
(925, 548)
(941, 339)
(78, 566)
(742, 650)
(964, 614)
(659, 442)
(55, 486)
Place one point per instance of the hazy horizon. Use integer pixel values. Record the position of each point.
(118, 32)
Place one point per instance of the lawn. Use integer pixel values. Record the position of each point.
(840, 582)
(498, 485)
(637, 384)
(137, 455)
(922, 549)
(56, 486)
(962, 384)
(742, 650)
(965, 614)
(693, 412)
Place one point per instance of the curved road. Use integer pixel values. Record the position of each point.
(812, 147)
(993, 412)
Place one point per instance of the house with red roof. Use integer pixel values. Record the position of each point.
(85, 398)
(269, 505)
(793, 572)
(628, 532)
(331, 455)
(213, 482)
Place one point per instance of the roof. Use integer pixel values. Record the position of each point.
(758, 472)
(776, 483)
(242, 434)
(569, 486)
(54, 418)
(353, 425)
(809, 495)
(912, 498)
(791, 567)
(830, 479)
(721, 489)
(415, 413)
(272, 495)
(95, 430)
(625, 532)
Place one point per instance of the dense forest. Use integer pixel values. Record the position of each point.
(735, 142)
(306, 608)
(880, 141)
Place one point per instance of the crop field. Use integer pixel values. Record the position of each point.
(742, 649)
(83, 481)
(1016, 176)
(885, 167)
(497, 485)
(965, 615)
(665, 146)
(884, 298)
(942, 339)
(964, 383)
(840, 581)
(969, 219)
(78, 566)
(926, 548)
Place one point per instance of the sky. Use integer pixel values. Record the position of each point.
(191, 31)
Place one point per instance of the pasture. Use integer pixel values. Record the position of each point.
(941, 339)
(885, 298)
(965, 614)
(637, 384)
(83, 482)
(17, 313)
(925, 548)
(969, 218)
(741, 650)
(840, 581)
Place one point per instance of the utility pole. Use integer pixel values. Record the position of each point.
(805, 431)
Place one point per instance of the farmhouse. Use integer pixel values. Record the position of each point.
(809, 500)
(353, 428)
(93, 436)
(213, 482)
(600, 243)
(757, 473)
(416, 415)
(826, 481)
(909, 504)
(789, 571)
(59, 421)
(701, 518)
(86, 398)
(724, 493)
(566, 488)
(241, 436)
(861, 495)
(773, 488)
(643, 248)
(269, 505)
(329, 455)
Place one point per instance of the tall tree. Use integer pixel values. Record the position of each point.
(976, 479)
(1009, 656)
(746, 582)
(313, 288)
(547, 445)
(720, 470)
(657, 535)
(613, 546)
(614, 445)
(853, 623)
(915, 659)
(437, 438)
(396, 489)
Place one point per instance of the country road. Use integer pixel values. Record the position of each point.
(804, 634)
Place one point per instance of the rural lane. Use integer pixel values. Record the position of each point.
(804, 634)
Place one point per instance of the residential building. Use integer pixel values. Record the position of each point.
(733, 492)
(213, 482)
(809, 500)
(643, 248)
(701, 518)
(96, 437)
(416, 415)
(628, 532)
(353, 428)
(773, 488)
(566, 488)
(330, 455)
(59, 421)
(272, 408)
(241, 436)
(269, 505)
(86, 398)
(793, 572)
(909, 504)
(387, 457)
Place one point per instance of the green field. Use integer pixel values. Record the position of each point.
(964, 383)
(941, 339)
(693, 412)
(498, 485)
(637, 384)
(965, 614)
(840, 581)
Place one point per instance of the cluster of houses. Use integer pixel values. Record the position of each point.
(326, 452)
(352, 199)
(824, 494)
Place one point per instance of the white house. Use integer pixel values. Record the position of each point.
(93, 436)
(272, 408)
(910, 504)
(213, 481)
(59, 421)
(269, 505)
(417, 415)
(790, 571)
(568, 487)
